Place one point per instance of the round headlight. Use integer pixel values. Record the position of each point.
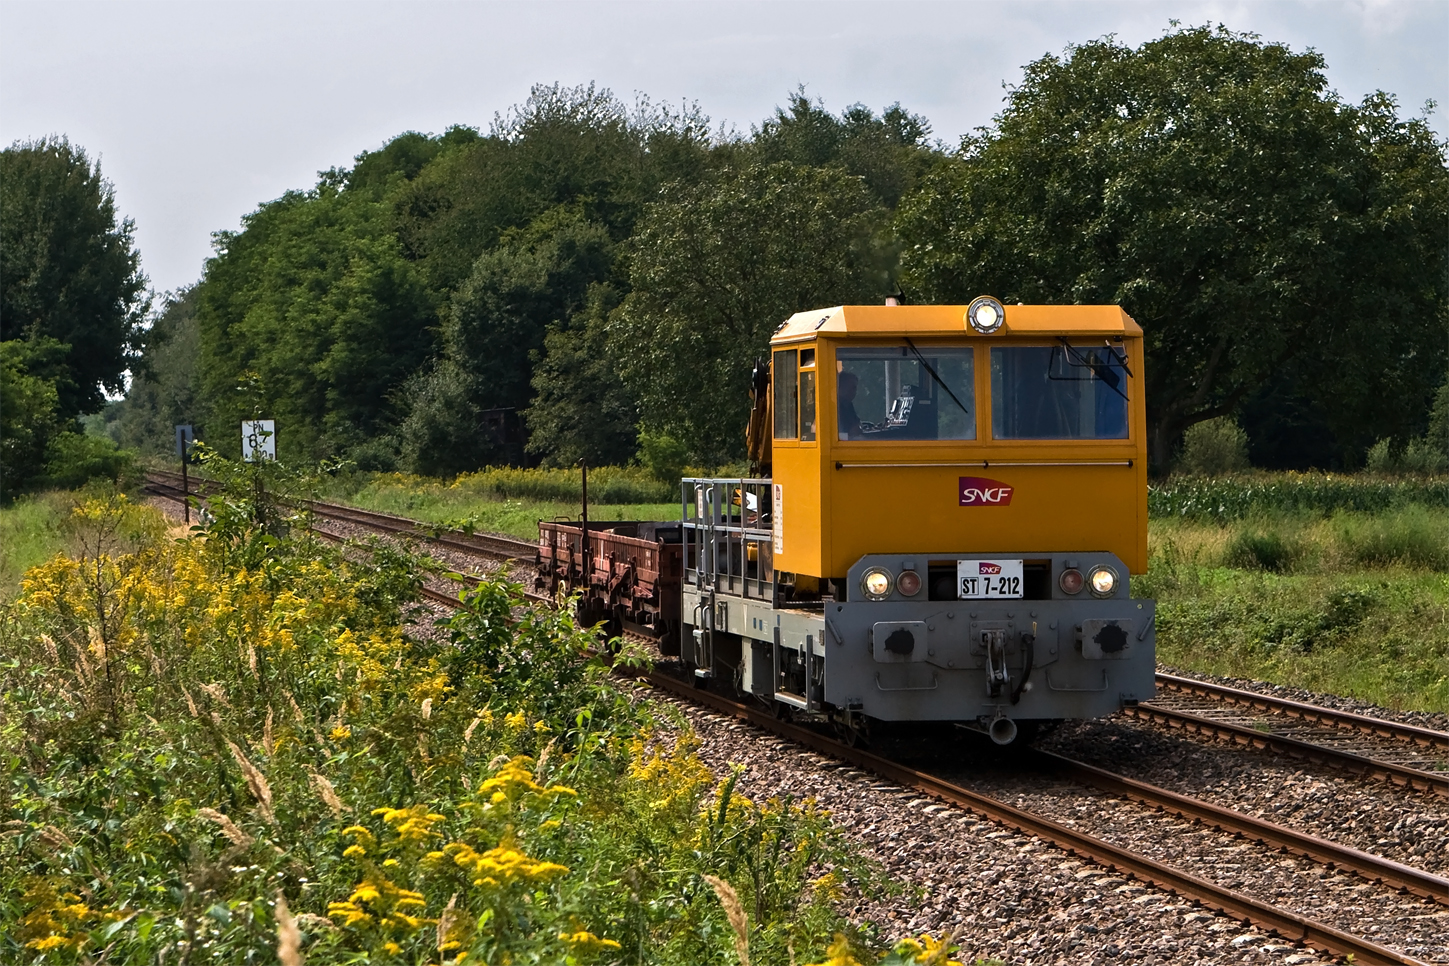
(908, 583)
(1104, 581)
(1070, 581)
(876, 584)
(985, 315)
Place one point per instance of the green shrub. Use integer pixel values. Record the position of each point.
(1214, 447)
(1379, 458)
(1422, 456)
(1418, 456)
(1414, 536)
(1255, 549)
(663, 456)
(74, 459)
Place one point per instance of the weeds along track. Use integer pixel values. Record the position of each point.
(494, 548)
(1359, 885)
(1389, 750)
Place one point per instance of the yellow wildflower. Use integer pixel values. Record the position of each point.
(839, 954)
(413, 824)
(584, 940)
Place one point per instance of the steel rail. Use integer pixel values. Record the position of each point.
(1287, 924)
(1294, 747)
(490, 544)
(1308, 712)
(1372, 867)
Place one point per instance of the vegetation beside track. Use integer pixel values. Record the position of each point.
(30, 533)
(228, 748)
(1354, 603)
(511, 501)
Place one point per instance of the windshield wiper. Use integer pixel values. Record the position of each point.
(939, 382)
(1102, 371)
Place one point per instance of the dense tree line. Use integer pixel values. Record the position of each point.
(73, 302)
(587, 279)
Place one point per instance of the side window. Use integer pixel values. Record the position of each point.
(1058, 392)
(807, 404)
(784, 374)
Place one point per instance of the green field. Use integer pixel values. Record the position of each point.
(31, 532)
(1355, 604)
(511, 503)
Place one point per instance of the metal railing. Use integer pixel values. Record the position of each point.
(728, 539)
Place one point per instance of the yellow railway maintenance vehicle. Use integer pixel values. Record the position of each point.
(948, 505)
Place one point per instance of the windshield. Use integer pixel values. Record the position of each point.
(905, 392)
(1058, 392)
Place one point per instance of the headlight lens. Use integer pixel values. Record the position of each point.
(876, 584)
(1071, 581)
(1104, 581)
(985, 315)
(908, 583)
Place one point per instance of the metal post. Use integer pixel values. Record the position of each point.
(588, 566)
(185, 486)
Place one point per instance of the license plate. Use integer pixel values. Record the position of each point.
(988, 579)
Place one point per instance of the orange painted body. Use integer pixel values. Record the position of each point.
(841, 499)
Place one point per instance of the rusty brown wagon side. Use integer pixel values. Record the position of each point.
(630, 582)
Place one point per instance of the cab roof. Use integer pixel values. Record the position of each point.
(845, 321)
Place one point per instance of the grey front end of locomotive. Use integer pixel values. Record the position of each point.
(925, 657)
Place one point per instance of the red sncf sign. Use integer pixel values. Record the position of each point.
(979, 491)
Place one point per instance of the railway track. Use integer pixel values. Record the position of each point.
(1288, 924)
(1400, 753)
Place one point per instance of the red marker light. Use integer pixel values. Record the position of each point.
(908, 583)
(1070, 581)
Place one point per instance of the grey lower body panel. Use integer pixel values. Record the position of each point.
(925, 660)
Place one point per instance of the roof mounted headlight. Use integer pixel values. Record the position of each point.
(985, 314)
(1103, 581)
(876, 583)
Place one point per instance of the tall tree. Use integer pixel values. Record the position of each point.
(535, 278)
(1215, 187)
(166, 384)
(69, 269)
(891, 152)
(564, 146)
(581, 408)
(315, 298)
(713, 271)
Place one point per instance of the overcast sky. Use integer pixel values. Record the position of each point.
(201, 111)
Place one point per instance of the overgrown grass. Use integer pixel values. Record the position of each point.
(508, 509)
(1354, 603)
(226, 749)
(30, 533)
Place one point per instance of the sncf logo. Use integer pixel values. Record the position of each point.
(979, 491)
(990, 568)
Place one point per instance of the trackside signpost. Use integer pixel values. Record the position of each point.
(184, 440)
(259, 440)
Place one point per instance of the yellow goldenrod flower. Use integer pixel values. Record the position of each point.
(587, 940)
